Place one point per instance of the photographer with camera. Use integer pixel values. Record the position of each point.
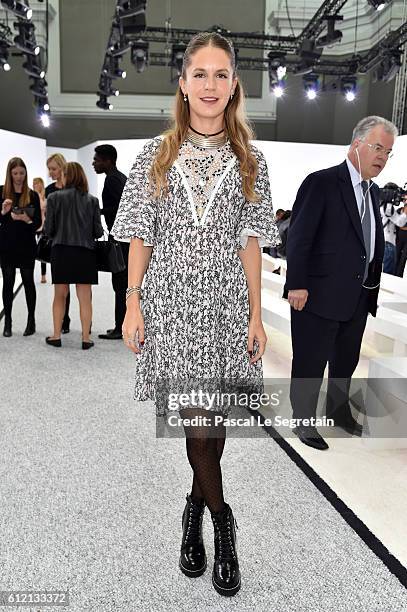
(20, 217)
(393, 216)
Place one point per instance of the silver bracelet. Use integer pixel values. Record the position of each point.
(134, 289)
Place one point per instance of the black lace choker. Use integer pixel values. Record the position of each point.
(206, 135)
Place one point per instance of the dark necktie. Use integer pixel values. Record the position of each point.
(366, 227)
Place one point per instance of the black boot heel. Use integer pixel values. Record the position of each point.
(7, 333)
(192, 561)
(30, 329)
(226, 573)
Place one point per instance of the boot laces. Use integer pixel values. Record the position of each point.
(195, 514)
(226, 547)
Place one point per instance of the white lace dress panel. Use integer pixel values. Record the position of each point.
(195, 305)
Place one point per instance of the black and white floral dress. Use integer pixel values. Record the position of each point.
(195, 303)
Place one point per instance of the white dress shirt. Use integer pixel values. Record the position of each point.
(357, 188)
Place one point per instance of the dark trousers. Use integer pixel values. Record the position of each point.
(9, 277)
(401, 252)
(119, 283)
(317, 341)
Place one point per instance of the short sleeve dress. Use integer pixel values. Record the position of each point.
(195, 303)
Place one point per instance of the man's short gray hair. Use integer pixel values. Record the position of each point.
(368, 123)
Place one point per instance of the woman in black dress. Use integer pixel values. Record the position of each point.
(20, 217)
(73, 222)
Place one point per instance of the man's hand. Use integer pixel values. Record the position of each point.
(297, 298)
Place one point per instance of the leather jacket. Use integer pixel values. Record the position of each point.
(73, 218)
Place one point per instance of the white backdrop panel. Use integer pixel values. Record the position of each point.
(69, 154)
(288, 163)
(32, 151)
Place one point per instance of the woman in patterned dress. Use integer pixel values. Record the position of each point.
(197, 210)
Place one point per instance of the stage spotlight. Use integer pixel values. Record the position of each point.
(311, 86)
(139, 55)
(25, 40)
(104, 104)
(278, 91)
(388, 67)
(44, 117)
(332, 36)
(378, 5)
(32, 67)
(309, 57)
(177, 56)
(111, 68)
(18, 8)
(348, 87)
(4, 65)
(39, 88)
(131, 8)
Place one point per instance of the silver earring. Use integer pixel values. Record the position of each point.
(185, 97)
(231, 96)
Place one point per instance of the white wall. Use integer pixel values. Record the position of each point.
(69, 154)
(288, 163)
(32, 151)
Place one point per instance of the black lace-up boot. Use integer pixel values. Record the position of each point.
(226, 573)
(192, 560)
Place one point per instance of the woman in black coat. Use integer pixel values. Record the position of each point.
(73, 222)
(20, 217)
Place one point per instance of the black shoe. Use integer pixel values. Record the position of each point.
(7, 333)
(65, 325)
(348, 423)
(112, 334)
(30, 329)
(309, 435)
(192, 561)
(87, 345)
(53, 341)
(226, 573)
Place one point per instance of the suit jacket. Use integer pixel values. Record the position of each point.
(325, 248)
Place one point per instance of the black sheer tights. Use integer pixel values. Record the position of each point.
(9, 277)
(204, 445)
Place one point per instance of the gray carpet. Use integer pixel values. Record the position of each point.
(91, 500)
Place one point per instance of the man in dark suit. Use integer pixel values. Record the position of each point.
(104, 162)
(335, 251)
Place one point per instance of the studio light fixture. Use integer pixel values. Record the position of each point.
(103, 103)
(311, 85)
(277, 73)
(33, 68)
(348, 88)
(111, 68)
(332, 36)
(139, 55)
(378, 5)
(25, 40)
(131, 8)
(20, 9)
(309, 57)
(388, 67)
(177, 56)
(39, 88)
(4, 63)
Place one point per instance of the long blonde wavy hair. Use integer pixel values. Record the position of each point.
(236, 124)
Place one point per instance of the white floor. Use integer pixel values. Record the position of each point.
(370, 482)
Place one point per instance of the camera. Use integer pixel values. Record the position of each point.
(20, 210)
(391, 197)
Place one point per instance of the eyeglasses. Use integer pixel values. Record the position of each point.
(379, 149)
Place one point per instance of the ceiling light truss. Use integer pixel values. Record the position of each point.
(25, 41)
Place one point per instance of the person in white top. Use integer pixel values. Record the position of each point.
(392, 216)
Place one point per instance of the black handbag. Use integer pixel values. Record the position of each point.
(109, 256)
(44, 249)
